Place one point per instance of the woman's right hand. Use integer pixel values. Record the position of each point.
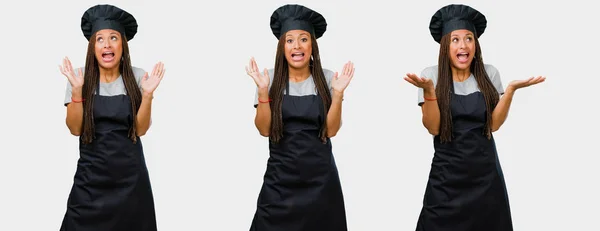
(420, 82)
(261, 80)
(76, 80)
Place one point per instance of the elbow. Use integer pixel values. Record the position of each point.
(434, 132)
(495, 128)
(432, 129)
(264, 134)
(75, 132)
(73, 128)
(141, 132)
(141, 129)
(331, 134)
(263, 130)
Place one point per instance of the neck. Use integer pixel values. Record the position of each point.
(459, 75)
(109, 75)
(298, 75)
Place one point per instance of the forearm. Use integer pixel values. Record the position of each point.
(144, 114)
(500, 113)
(431, 113)
(262, 120)
(334, 116)
(74, 118)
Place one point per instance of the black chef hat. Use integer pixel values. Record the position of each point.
(108, 17)
(297, 17)
(456, 17)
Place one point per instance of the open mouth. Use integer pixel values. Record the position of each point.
(108, 56)
(298, 56)
(462, 57)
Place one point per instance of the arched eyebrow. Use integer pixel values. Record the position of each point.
(303, 33)
(111, 33)
(468, 34)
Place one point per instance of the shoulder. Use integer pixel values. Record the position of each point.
(430, 72)
(494, 76)
(138, 73)
(491, 70)
(271, 73)
(328, 75)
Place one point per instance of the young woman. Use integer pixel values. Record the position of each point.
(463, 102)
(109, 108)
(299, 107)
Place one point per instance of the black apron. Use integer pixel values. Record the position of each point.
(111, 188)
(466, 189)
(301, 189)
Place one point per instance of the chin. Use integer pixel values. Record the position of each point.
(108, 65)
(298, 65)
(462, 66)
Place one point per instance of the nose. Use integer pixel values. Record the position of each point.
(296, 44)
(463, 44)
(106, 44)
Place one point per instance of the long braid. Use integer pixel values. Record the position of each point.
(91, 81)
(132, 88)
(486, 87)
(280, 81)
(445, 86)
(321, 85)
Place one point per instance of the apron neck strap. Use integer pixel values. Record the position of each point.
(97, 91)
(287, 85)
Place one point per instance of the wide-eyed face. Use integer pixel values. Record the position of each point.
(108, 48)
(298, 48)
(462, 49)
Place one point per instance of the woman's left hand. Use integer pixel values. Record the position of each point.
(517, 84)
(149, 83)
(339, 83)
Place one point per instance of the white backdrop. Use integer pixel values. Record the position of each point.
(205, 157)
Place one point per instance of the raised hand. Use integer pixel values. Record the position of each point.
(261, 80)
(420, 82)
(76, 80)
(516, 84)
(339, 83)
(150, 83)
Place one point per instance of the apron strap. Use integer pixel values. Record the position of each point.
(97, 91)
(287, 86)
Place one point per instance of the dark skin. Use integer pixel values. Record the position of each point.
(462, 49)
(298, 42)
(110, 41)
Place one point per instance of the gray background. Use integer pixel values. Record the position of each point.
(206, 158)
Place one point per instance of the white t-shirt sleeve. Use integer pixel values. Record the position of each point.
(138, 73)
(430, 73)
(494, 75)
(69, 89)
(271, 73)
